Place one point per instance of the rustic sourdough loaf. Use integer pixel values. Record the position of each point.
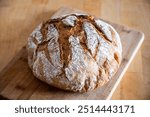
(75, 52)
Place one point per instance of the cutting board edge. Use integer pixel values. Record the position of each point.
(128, 63)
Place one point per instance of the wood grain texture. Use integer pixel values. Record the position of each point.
(19, 18)
(25, 86)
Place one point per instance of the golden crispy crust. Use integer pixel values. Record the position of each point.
(74, 52)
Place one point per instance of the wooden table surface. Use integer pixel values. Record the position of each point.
(16, 16)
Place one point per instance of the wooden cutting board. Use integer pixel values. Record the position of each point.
(18, 82)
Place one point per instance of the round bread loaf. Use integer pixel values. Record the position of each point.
(74, 52)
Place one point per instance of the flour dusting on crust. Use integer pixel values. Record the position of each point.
(70, 20)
